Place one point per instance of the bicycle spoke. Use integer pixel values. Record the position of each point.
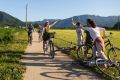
(84, 52)
(114, 54)
(108, 68)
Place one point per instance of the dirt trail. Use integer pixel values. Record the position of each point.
(40, 67)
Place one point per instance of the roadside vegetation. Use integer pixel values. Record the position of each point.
(13, 41)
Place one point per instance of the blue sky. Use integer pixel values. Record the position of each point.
(59, 9)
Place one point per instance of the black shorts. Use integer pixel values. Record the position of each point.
(46, 36)
(29, 33)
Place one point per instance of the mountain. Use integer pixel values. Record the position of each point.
(110, 21)
(43, 21)
(101, 21)
(6, 19)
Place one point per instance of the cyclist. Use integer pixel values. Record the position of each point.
(79, 32)
(88, 39)
(30, 29)
(45, 31)
(40, 29)
(97, 39)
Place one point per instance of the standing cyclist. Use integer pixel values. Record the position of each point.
(79, 32)
(46, 29)
(30, 29)
(99, 45)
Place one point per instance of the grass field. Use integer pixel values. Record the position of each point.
(12, 44)
(70, 36)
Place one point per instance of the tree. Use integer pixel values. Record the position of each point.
(117, 26)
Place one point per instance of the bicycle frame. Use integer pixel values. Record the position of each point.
(108, 43)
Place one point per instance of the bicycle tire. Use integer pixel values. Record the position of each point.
(84, 51)
(114, 54)
(105, 68)
(52, 52)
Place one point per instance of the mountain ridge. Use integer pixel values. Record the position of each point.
(109, 21)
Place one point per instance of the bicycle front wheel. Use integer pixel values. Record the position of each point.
(111, 69)
(52, 52)
(114, 54)
(84, 52)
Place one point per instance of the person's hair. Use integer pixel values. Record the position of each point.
(88, 20)
(91, 22)
(78, 23)
(46, 24)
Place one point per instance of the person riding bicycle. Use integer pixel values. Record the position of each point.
(40, 30)
(88, 39)
(99, 45)
(30, 29)
(79, 32)
(46, 29)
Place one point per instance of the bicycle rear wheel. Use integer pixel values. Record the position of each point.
(84, 51)
(114, 54)
(111, 69)
(52, 52)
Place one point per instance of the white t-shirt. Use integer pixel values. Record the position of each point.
(94, 32)
(78, 29)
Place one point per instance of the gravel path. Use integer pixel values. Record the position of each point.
(40, 67)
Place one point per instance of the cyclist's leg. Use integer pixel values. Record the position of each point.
(28, 37)
(40, 35)
(100, 51)
(93, 52)
(79, 39)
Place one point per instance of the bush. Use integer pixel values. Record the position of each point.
(6, 36)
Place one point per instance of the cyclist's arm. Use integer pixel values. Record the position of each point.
(43, 31)
(73, 23)
(100, 28)
(84, 28)
(51, 25)
(103, 31)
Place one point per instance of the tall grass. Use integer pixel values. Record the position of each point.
(12, 44)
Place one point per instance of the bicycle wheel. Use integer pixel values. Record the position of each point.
(111, 69)
(52, 53)
(114, 54)
(84, 51)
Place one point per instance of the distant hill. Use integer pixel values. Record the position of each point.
(101, 21)
(8, 20)
(110, 21)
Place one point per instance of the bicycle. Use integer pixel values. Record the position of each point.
(110, 67)
(49, 45)
(84, 51)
